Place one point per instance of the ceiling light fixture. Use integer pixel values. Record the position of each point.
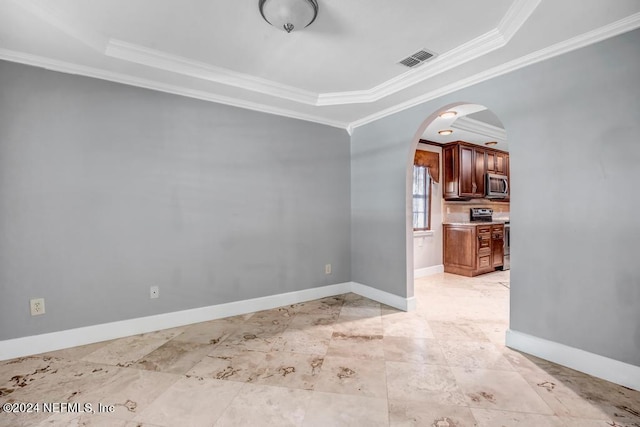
(445, 132)
(289, 15)
(491, 143)
(448, 115)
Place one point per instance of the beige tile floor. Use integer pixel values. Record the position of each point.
(342, 360)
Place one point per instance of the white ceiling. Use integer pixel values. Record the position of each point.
(472, 123)
(341, 71)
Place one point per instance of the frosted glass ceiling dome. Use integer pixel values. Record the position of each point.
(289, 15)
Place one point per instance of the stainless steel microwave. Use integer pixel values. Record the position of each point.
(497, 186)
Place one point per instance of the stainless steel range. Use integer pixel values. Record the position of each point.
(481, 214)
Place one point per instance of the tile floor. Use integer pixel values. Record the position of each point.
(342, 360)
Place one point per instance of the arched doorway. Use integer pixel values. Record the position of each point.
(483, 132)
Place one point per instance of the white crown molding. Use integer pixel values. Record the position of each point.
(516, 15)
(200, 70)
(611, 30)
(477, 47)
(482, 128)
(69, 68)
(162, 60)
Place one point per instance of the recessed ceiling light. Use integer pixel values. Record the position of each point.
(491, 143)
(445, 132)
(447, 114)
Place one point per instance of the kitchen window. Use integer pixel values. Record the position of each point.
(421, 198)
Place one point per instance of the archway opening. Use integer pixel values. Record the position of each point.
(455, 154)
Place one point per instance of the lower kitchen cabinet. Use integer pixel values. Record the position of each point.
(497, 245)
(471, 249)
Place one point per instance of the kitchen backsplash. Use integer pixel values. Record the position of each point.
(459, 211)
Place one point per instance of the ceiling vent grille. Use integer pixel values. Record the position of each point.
(417, 58)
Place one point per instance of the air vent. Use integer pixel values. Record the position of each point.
(417, 58)
(410, 62)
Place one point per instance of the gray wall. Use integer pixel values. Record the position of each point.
(573, 124)
(379, 161)
(107, 189)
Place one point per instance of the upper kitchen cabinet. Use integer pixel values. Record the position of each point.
(479, 170)
(497, 162)
(465, 167)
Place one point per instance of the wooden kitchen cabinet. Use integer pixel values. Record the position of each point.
(497, 245)
(497, 162)
(471, 249)
(465, 166)
(464, 169)
(479, 170)
(451, 172)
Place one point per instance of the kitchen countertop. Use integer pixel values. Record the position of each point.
(494, 222)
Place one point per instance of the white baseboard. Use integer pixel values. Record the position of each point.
(36, 344)
(598, 366)
(428, 271)
(405, 304)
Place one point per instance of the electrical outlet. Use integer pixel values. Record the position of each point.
(37, 306)
(327, 269)
(154, 292)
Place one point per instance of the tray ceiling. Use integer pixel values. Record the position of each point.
(342, 70)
